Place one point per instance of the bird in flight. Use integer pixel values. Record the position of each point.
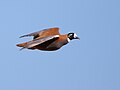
(47, 40)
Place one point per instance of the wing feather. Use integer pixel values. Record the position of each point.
(44, 33)
(36, 42)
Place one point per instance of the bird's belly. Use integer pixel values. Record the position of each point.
(52, 47)
(48, 49)
(44, 48)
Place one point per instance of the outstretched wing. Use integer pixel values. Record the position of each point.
(36, 42)
(44, 33)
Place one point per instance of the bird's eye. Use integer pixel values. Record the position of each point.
(71, 35)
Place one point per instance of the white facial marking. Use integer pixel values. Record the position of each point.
(75, 35)
(68, 39)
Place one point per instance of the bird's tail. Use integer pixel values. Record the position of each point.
(21, 44)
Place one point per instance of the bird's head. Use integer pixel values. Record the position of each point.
(72, 36)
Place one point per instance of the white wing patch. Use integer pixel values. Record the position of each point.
(56, 36)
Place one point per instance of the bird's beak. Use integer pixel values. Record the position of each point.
(77, 38)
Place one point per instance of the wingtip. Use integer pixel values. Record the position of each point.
(22, 49)
(22, 36)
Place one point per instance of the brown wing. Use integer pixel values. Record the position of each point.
(44, 33)
(36, 42)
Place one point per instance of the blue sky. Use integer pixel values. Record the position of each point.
(93, 63)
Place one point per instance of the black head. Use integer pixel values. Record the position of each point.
(72, 36)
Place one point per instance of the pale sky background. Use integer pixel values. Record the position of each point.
(93, 63)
